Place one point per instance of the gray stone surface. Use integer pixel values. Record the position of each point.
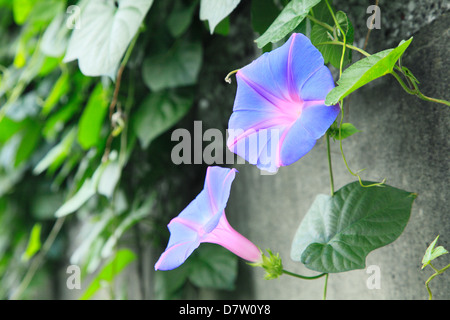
(405, 140)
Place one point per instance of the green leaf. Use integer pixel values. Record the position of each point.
(44, 11)
(55, 123)
(158, 113)
(90, 235)
(338, 232)
(332, 53)
(48, 65)
(60, 88)
(264, 12)
(432, 253)
(106, 31)
(169, 285)
(210, 266)
(56, 37)
(113, 268)
(93, 116)
(87, 190)
(20, 60)
(34, 243)
(9, 128)
(174, 68)
(291, 16)
(109, 178)
(57, 154)
(22, 9)
(30, 140)
(347, 129)
(223, 28)
(180, 18)
(213, 267)
(366, 70)
(215, 11)
(132, 218)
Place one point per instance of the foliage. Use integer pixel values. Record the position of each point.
(431, 254)
(330, 237)
(79, 133)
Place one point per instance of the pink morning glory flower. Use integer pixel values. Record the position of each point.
(204, 220)
(279, 110)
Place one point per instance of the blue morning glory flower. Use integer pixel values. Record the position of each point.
(204, 220)
(279, 110)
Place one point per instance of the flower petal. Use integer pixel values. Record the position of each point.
(232, 240)
(183, 241)
(269, 71)
(200, 217)
(304, 61)
(212, 199)
(301, 137)
(316, 119)
(218, 185)
(294, 144)
(252, 96)
(282, 90)
(198, 210)
(318, 85)
(282, 72)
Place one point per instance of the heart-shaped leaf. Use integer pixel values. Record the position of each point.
(339, 231)
(157, 113)
(214, 267)
(176, 67)
(105, 33)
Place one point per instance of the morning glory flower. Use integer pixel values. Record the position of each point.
(204, 220)
(279, 110)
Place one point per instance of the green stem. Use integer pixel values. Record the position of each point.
(403, 84)
(130, 50)
(416, 91)
(343, 36)
(320, 23)
(303, 277)
(38, 259)
(445, 268)
(330, 168)
(355, 174)
(325, 287)
(340, 43)
(424, 97)
(437, 272)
